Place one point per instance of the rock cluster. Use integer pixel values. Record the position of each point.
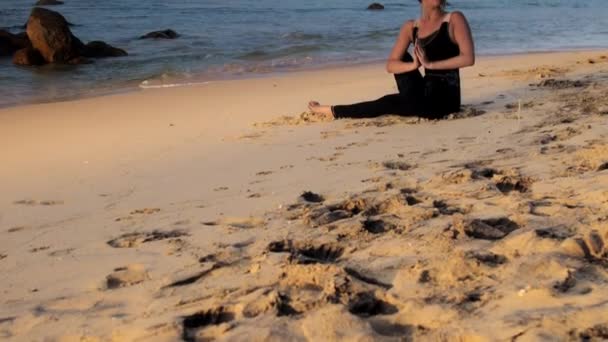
(48, 39)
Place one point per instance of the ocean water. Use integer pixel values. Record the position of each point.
(246, 38)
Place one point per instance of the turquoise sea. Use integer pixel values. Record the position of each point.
(246, 38)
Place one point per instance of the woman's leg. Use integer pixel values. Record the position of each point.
(388, 104)
(406, 103)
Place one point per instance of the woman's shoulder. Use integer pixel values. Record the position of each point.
(408, 27)
(408, 24)
(455, 16)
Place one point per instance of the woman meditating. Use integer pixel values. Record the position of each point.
(442, 44)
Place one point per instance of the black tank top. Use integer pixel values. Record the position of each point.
(441, 87)
(438, 46)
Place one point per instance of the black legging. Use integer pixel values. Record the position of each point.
(433, 96)
(405, 103)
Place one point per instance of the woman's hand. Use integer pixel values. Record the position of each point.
(416, 62)
(421, 57)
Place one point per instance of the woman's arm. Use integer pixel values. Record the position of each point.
(394, 65)
(464, 40)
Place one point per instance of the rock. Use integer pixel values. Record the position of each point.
(166, 34)
(10, 43)
(48, 3)
(28, 56)
(375, 6)
(6, 48)
(24, 26)
(21, 40)
(49, 33)
(101, 49)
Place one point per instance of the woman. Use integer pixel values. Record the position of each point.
(442, 44)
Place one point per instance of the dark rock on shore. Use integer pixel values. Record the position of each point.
(28, 56)
(49, 33)
(375, 6)
(5, 48)
(24, 26)
(101, 49)
(10, 43)
(48, 3)
(166, 34)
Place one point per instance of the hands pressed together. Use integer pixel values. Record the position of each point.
(420, 57)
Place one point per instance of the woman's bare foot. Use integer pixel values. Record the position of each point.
(322, 111)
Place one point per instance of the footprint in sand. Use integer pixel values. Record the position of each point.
(2, 256)
(126, 276)
(131, 240)
(403, 205)
(365, 304)
(486, 258)
(443, 208)
(483, 172)
(505, 181)
(592, 247)
(307, 253)
(358, 274)
(558, 233)
(378, 226)
(490, 229)
(335, 212)
(192, 324)
(518, 183)
(312, 197)
(274, 301)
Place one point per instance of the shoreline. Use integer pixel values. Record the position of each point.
(199, 81)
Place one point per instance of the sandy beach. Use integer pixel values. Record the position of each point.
(224, 211)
